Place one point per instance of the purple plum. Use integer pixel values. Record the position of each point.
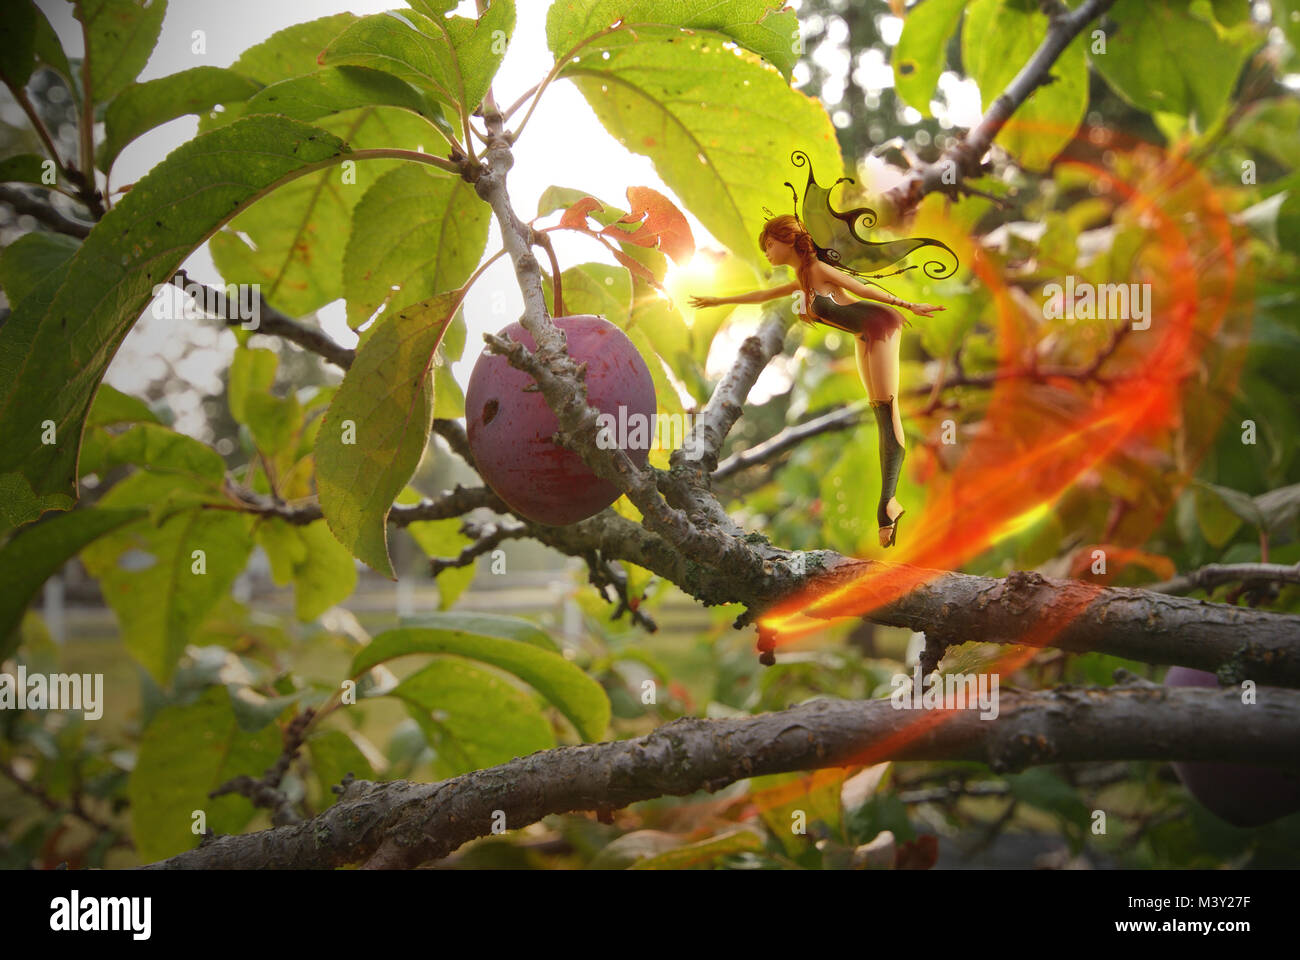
(510, 428)
(1242, 795)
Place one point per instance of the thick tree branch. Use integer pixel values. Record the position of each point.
(403, 824)
(1239, 643)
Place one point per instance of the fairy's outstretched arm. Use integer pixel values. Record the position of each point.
(758, 296)
(852, 284)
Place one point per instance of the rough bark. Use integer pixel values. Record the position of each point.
(402, 824)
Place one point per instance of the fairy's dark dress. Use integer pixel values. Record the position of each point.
(862, 318)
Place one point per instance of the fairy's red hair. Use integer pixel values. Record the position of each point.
(787, 229)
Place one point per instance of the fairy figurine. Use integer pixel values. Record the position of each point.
(830, 259)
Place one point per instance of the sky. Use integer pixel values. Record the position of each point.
(603, 168)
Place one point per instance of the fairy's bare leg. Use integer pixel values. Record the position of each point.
(882, 370)
(882, 364)
(864, 368)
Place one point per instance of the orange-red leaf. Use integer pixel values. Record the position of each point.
(661, 225)
(575, 217)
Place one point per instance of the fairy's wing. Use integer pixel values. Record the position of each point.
(840, 242)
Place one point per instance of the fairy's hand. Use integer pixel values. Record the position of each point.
(924, 309)
(700, 303)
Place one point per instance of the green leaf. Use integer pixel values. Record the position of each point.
(52, 358)
(333, 756)
(322, 570)
(273, 421)
(666, 330)
(142, 106)
(299, 232)
(449, 398)
(291, 52)
(251, 371)
(578, 696)
(18, 43)
(1174, 57)
(113, 406)
(486, 625)
(377, 427)
(158, 448)
(26, 38)
(120, 36)
(335, 89)
(150, 574)
(416, 230)
(816, 794)
(1271, 127)
(597, 288)
(36, 553)
(767, 27)
(254, 710)
(186, 752)
(23, 168)
(472, 718)
(919, 57)
(1241, 504)
(442, 538)
(1217, 521)
(32, 257)
(998, 38)
(719, 125)
(49, 51)
(453, 58)
(1043, 789)
(703, 852)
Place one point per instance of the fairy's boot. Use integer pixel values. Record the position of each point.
(891, 462)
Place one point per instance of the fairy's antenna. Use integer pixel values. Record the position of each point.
(795, 194)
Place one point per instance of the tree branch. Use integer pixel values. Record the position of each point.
(842, 418)
(402, 824)
(964, 157)
(1217, 574)
(454, 503)
(42, 210)
(274, 323)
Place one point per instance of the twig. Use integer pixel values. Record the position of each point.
(1216, 574)
(843, 418)
(42, 210)
(602, 574)
(487, 538)
(266, 792)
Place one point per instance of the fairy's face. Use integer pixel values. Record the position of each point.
(777, 252)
